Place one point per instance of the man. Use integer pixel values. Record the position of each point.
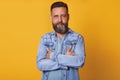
(61, 52)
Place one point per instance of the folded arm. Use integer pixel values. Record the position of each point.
(77, 59)
(43, 63)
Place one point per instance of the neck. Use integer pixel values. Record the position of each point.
(60, 35)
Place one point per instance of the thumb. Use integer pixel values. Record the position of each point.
(47, 49)
(69, 48)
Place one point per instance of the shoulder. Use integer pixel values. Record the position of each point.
(73, 34)
(48, 35)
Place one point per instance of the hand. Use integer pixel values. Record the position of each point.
(48, 53)
(69, 52)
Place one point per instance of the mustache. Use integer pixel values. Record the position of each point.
(60, 23)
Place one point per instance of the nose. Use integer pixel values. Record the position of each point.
(60, 19)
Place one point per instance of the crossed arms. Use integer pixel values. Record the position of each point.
(45, 58)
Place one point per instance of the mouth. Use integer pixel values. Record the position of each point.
(60, 25)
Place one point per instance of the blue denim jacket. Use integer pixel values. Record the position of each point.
(68, 65)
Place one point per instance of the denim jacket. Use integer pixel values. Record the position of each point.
(68, 64)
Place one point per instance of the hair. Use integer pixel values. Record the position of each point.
(59, 4)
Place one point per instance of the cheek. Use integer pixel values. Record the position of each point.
(65, 20)
(54, 21)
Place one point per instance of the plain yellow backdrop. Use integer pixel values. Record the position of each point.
(23, 22)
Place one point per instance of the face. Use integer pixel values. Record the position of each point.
(60, 17)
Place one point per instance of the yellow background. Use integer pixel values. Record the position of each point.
(23, 22)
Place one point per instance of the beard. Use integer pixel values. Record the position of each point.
(60, 27)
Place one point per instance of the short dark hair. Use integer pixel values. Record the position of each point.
(59, 4)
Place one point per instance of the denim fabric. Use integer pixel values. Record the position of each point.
(61, 66)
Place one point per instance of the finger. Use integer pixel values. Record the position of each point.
(47, 56)
(73, 54)
(69, 48)
(48, 49)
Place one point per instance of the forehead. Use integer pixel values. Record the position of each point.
(59, 10)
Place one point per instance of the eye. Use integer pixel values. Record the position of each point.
(55, 16)
(64, 15)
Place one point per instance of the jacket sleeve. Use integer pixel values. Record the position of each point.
(44, 64)
(74, 61)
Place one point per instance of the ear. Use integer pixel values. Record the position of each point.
(51, 17)
(68, 16)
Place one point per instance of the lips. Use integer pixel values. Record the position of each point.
(60, 24)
